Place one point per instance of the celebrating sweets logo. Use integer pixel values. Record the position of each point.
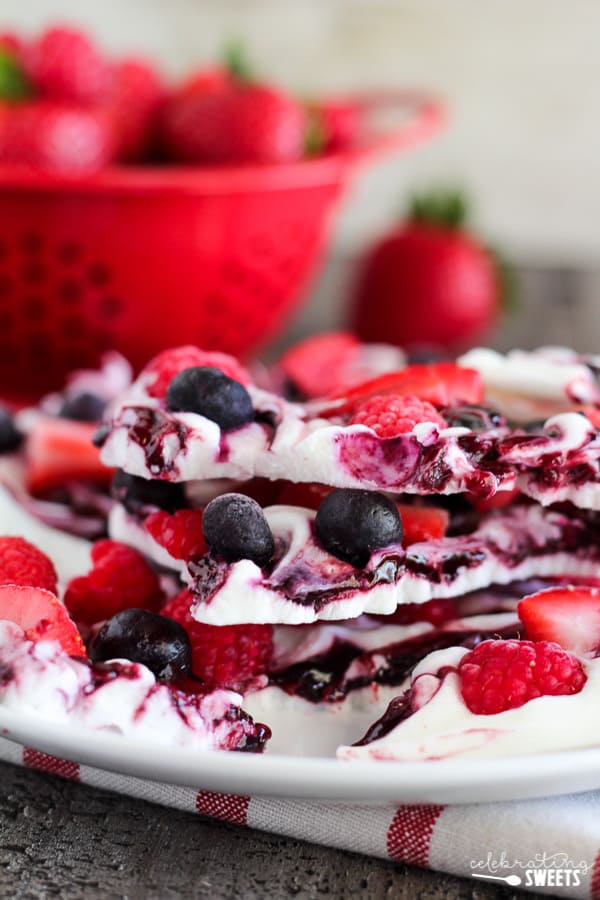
(542, 870)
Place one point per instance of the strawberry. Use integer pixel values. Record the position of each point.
(226, 655)
(500, 500)
(441, 384)
(41, 616)
(60, 450)
(501, 675)
(570, 616)
(309, 495)
(65, 65)
(340, 124)
(315, 366)
(120, 579)
(163, 368)
(22, 563)
(56, 137)
(12, 43)
(422, 523)
(429, 281)
(132, 103)
(436, 612)
(389, 415)
(180, 533)
(233, 120)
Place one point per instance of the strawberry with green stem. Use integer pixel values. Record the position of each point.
(431, 280)
(233, 120)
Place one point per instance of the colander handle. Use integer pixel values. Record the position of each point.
(421, 116)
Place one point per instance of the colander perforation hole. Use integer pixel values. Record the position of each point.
(33, 308)
(31, 243)
(98, 274)
(110, 306)
(69, 292)
(68, 253)
(34, 272)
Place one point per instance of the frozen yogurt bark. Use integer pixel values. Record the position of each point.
(303, 582)
(119, 697)
(453, 445)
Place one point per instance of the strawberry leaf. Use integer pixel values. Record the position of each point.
(14, 84)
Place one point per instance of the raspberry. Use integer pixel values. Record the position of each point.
(120, 579)
(223, 655)
(22, 563)
(164, 367)
(180, 534)
(65, 65)
(501, 675)
(390, 415)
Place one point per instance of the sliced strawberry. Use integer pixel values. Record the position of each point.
(422, 523)
(436, 612)
(61, 450)
(569, 616)
(41, 616)
(316, 365)
(592, 413)
(309, 495)
(442, 384)
(499, 501)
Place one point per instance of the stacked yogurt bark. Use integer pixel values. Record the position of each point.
(138, 682)
(327, 548)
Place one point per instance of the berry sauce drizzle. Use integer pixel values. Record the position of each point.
(324, 679)
(153, 431)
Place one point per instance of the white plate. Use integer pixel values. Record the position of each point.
(453, 781)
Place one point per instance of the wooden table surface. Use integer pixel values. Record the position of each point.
(64, 840)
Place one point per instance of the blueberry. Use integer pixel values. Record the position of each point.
(212, 394)
(144, 637)
(10, 436)
(477, 418)
(351, 523)
(235, 528)
(137, 494)
(84, 407)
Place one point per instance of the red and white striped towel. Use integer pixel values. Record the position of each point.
(552, 845)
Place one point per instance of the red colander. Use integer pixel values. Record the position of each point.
(142, 258)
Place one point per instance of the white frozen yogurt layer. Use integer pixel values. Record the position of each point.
(307, 584)
(441, 725)
(39, 678)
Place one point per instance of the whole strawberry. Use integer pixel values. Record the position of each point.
(65, 64)
(429, 281)
(132, 102)
(233, 120)
(56, 137)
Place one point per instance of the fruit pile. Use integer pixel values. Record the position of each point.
(394, 576)
(66, 107)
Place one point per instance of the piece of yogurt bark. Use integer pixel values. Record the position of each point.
(304, 583)
(431, 721)
(552, 460)
(118, 697)
(327, 682)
